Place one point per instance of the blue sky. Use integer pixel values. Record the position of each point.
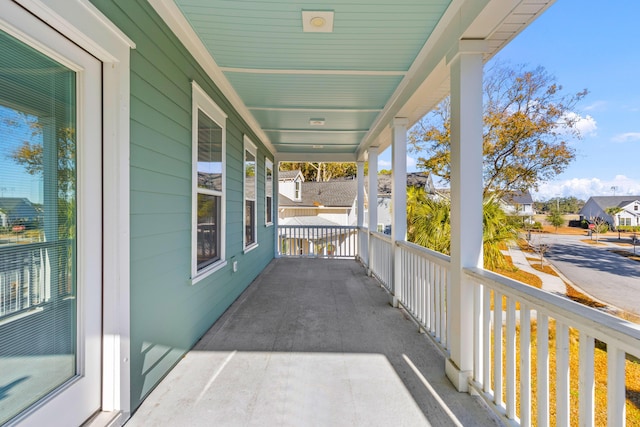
(14, 181)
(592, 45)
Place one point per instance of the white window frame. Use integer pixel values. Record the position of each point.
(202, 102)
(297, 189)
(268, 165)
(250, 147)
(83, 24)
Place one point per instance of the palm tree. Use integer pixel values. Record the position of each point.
(429, 225)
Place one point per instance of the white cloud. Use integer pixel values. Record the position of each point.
(586, 125)
(627, 137)
(583, 188)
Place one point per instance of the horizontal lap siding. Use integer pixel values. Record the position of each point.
(168, 315)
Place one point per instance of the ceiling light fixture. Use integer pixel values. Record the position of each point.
(316, 122)
(317, 146)
(317, 21)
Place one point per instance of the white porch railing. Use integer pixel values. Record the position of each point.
(317, 241)
(424, 288)
(380, 259)
(502, 349)
(525, 310)
(26, 276)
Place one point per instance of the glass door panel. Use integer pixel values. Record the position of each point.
(44, 346)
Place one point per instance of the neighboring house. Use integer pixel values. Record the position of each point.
(414, 179)
(597, 206)
(324, 206)
(18, 211)
(518, 203)
(290, 184)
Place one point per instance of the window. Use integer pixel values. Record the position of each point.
(268, 192)
(635, 207)
(208, 180)
(250, 192)
(297, 193)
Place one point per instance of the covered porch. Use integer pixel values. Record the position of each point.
(312, 342)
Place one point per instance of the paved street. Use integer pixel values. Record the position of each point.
(607, 276)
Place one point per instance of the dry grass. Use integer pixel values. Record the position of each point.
(564, 230)
(593, 242)
(600, 359)
(627, 254)
(600, 366)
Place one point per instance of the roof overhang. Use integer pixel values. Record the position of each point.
(329, 96)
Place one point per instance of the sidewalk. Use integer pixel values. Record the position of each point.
(550, 283)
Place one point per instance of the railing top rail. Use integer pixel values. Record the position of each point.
(380, 236)
(602, 326)
(320, 227)
(438, 257)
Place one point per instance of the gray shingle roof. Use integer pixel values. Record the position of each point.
(518, 197)
(329, 193)
(285, 175)
(610, 201)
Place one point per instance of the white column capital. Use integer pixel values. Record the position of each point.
(466, 47)
(400, 121)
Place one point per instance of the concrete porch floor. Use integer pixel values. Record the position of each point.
(311, 342)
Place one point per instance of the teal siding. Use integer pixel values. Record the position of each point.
(168, 314)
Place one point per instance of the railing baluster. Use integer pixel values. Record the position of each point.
(616, 389)
(542, 360)
(525, 365)
(562, 375)
(510, 373)
(497, 349)
(437, 307)
(586, 381)
(477, 333)
(486, 337)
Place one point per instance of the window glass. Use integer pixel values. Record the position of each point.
(38, 265)
(250, 196)
(268, 191)
(209, 190)
(209, 153)
(208, 240)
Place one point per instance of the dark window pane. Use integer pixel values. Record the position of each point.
(250, 213)
(208, 230)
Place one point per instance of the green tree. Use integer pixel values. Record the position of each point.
(527, 123)
(555, 218)
(429, 225)
(613, 211)
(322, 171)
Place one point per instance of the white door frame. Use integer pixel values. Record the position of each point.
(86, 26)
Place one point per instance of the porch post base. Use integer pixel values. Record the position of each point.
(395, 302)
(460, 379)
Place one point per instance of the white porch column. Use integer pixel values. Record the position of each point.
(373, 196)
(466, 203)
(276, 207)
(362, 242)
(398, 199)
